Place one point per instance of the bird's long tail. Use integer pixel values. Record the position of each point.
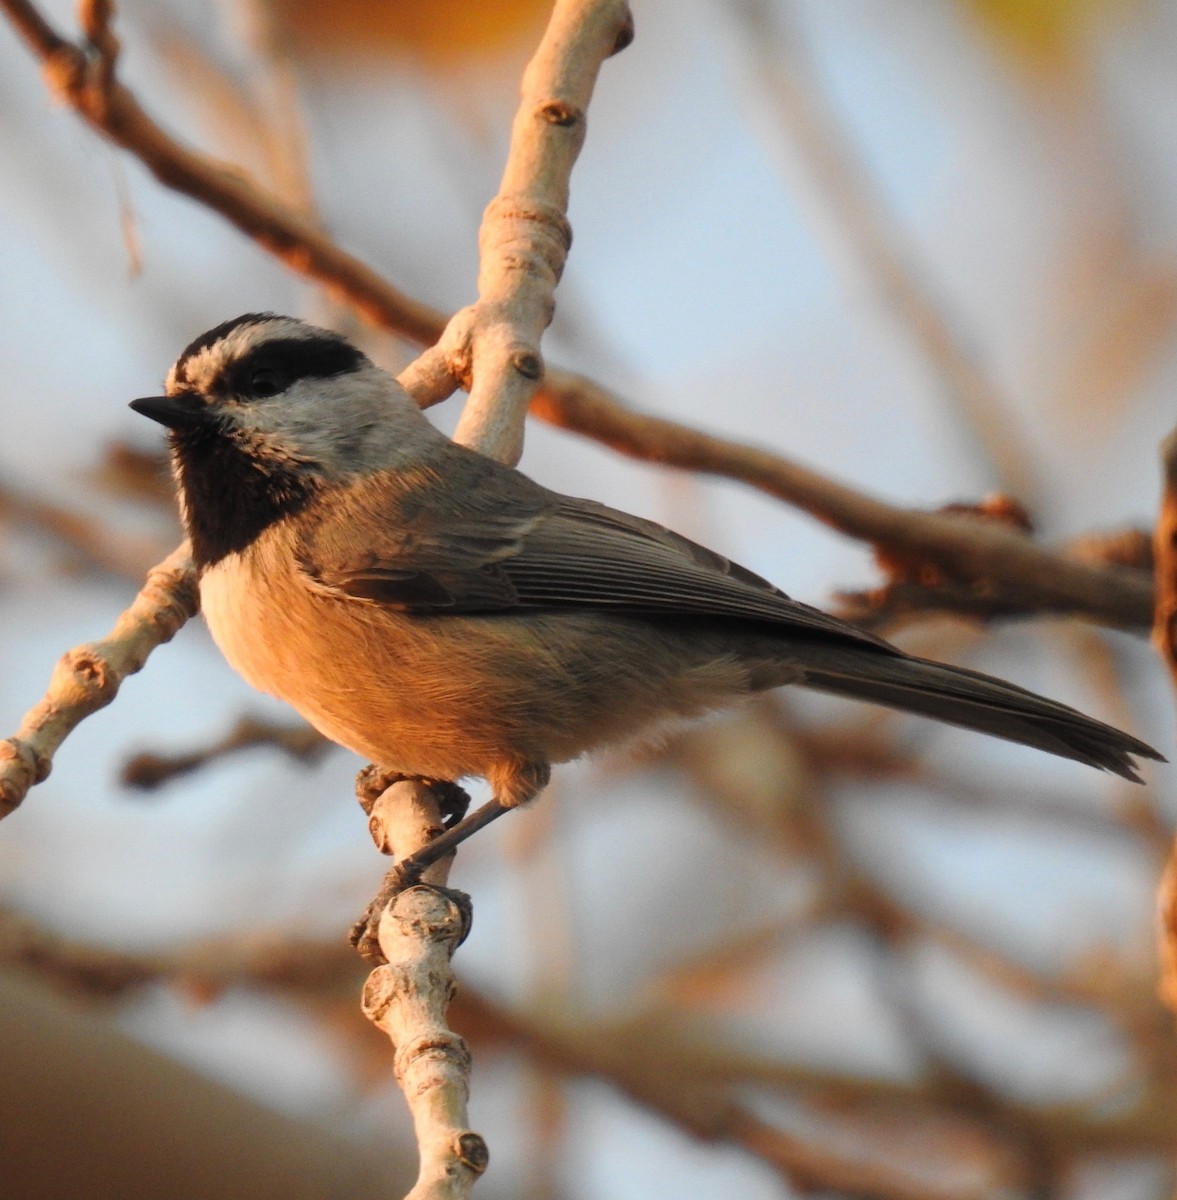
(972, 700)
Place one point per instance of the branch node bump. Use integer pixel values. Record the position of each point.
(425, 910)
(64, 71)
(541, 219)
(471, 1150)
(379, 992)
(438, 1047)
(625, 34)
(28, 767)
(562, 113)
(528, 363)
(88, 674)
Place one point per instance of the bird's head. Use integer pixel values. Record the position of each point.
(263, 412)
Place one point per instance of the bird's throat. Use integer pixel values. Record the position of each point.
(229, 496)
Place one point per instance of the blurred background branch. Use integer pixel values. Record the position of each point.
(797, 950)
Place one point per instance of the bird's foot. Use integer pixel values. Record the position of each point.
(373, 781)
(517, 786)
(365, 933)
(449, 802)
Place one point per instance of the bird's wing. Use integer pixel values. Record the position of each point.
(505, 544)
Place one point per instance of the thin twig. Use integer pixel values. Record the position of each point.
(961, 545)
(274, 960)
(88, 677)
(275, 94)
(89, 541)
(677, 1071)
(255, 211)
(148, 771)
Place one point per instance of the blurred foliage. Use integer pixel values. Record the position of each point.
(1044, 32)
(436, 32)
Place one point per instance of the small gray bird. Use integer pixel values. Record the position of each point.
(444, 616)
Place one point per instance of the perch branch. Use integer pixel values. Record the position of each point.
(407, 997)
(1044, 579)
(493, 348)
(88, 677)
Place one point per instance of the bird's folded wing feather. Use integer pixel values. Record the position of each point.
(500, 548)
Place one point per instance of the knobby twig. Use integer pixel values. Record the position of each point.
(419, 929)
(407, 998)
(525, 235)
(88, 677)
(493, 347)
(1044, 579)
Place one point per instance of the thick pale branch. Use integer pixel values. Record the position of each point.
(525, 235)
(407, 997)
(494, 348)
(88, 677)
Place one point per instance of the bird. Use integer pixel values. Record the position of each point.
(447, 617)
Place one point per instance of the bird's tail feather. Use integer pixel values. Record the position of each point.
(975, 701)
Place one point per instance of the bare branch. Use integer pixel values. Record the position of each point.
(407, 997)
(88, 540)
(88, 677)
(525, 235)
(96, 17)
(674, 1071)
(279, 228)
(148, 771)
(960, 544)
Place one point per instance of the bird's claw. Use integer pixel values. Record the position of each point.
(365, 933)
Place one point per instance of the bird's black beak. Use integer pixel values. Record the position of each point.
(184, 410)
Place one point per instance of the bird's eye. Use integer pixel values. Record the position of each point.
(264, 382)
